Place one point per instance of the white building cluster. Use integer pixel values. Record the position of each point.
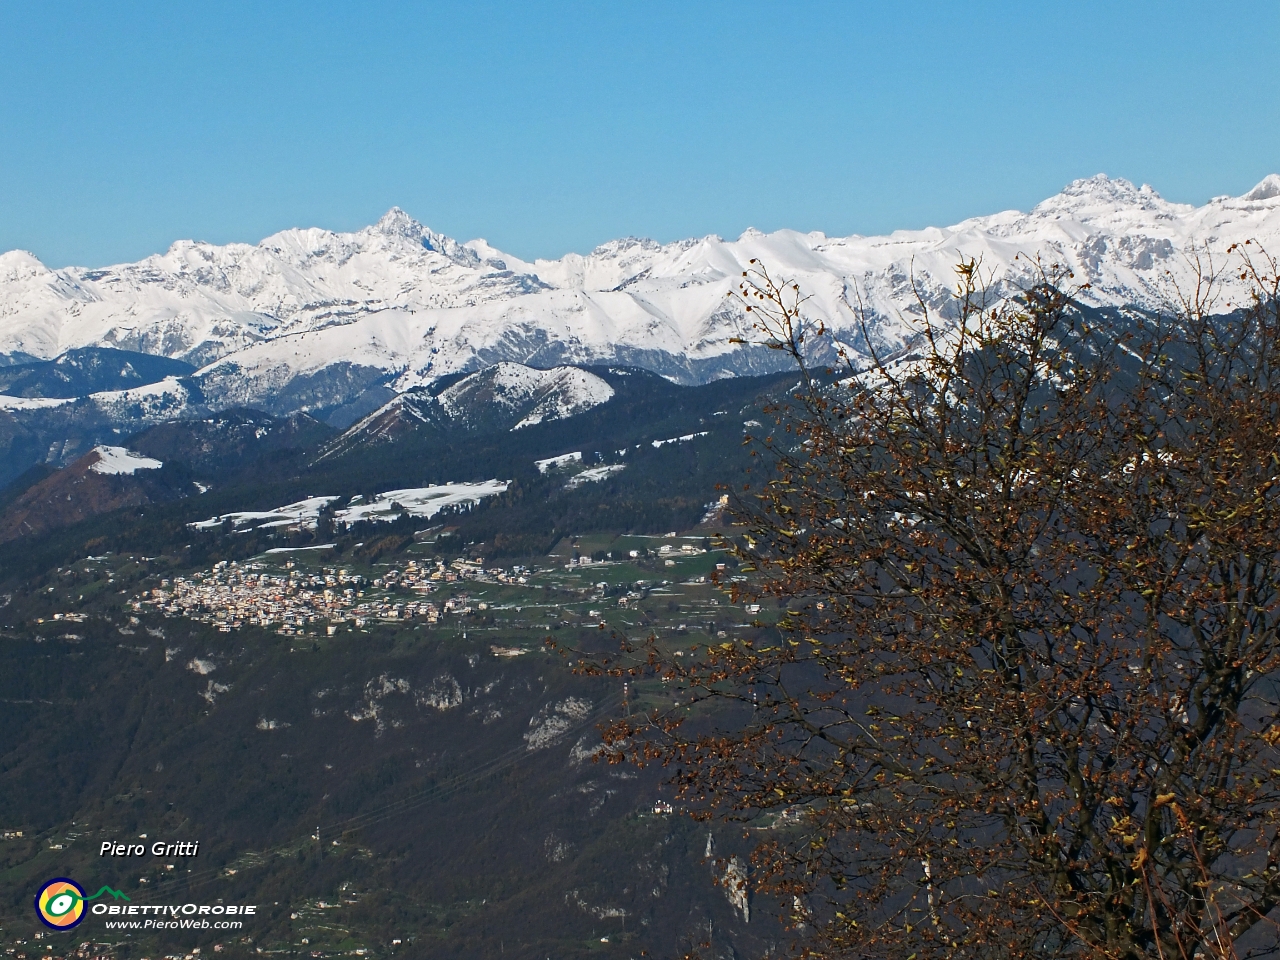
(233, 595)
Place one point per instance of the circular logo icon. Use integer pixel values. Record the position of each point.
(60, 903)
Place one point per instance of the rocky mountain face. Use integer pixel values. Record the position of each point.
(319, 321)
(505, 396)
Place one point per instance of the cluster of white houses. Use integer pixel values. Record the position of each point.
(233, 595)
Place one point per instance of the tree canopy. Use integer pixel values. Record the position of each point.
(1022, 702)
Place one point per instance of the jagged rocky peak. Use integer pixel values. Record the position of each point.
(398, 224)
(1100, 192)
(626, 245)
(395, 222)
(1118, 189)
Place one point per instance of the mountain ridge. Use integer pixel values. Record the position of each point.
(310, 319)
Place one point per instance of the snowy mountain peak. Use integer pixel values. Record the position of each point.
(1100, 194)
(19, 265)
(396, 223)
(1267, 189)
(1117, 189)
(625, 245)
(530, 394)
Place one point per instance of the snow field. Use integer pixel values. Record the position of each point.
(118, 460)
(385, 507)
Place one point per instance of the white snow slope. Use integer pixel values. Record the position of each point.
(401, 302)
(547, 394)
(535, 396)
(421, 501)
(385, 507)
(303, 513)
(118, 460)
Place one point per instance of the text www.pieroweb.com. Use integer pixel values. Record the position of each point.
(188, 916)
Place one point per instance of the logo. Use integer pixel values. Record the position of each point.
(60, 902)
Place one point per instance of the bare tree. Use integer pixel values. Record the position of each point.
(1022, 699)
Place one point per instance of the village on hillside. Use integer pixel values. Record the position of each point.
(297, 600)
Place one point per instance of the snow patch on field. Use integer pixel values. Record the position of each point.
(552, 463)
(303, 513)
(421, 501)
(32, 403)
(685, 439)
(594, 475)
(414, 501)
(118, 460)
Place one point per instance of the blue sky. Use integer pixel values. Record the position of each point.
(550, 127)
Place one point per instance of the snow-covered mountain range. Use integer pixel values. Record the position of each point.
(505, 396)
(314, 320)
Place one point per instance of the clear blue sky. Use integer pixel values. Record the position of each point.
(550, 127)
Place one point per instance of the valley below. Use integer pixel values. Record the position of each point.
(431, 782)
(343, 662)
